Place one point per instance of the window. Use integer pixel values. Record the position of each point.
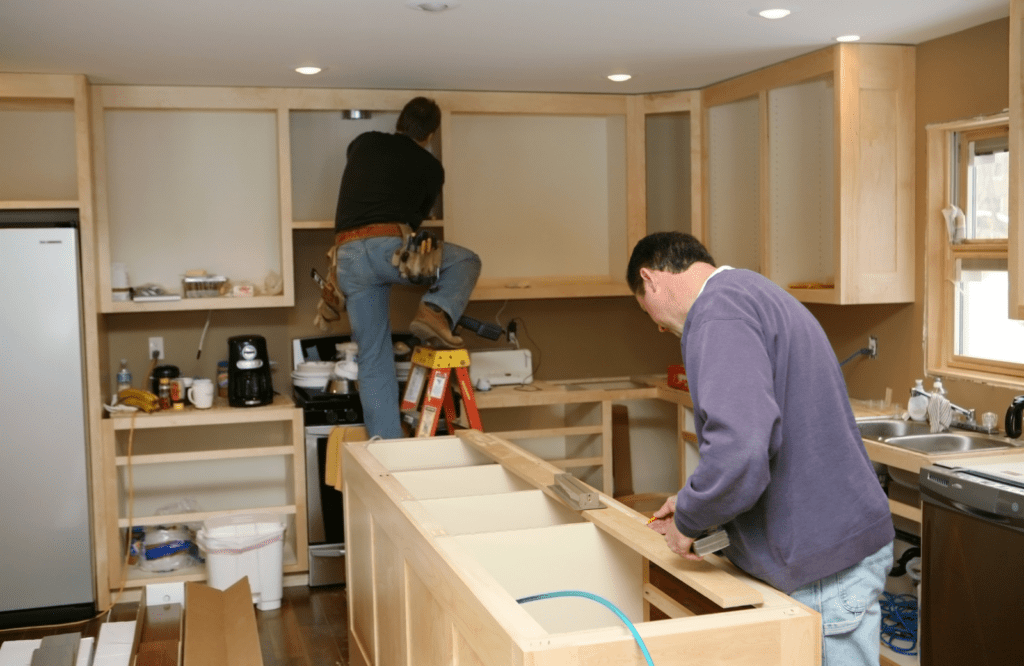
(968, 332)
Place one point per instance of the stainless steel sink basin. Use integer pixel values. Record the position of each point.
(946, 442)
(916, 436)
(883, 429)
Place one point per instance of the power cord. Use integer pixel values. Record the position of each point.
(604, 602)
(899, 622)
(512, 328)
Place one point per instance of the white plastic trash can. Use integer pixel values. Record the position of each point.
(245, 545)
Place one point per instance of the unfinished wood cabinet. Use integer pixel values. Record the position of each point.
(810, 174)
(1015, 256)
(192, 179)
(445, 534)
(230, 461)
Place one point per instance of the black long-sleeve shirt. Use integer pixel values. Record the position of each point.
(388, 178)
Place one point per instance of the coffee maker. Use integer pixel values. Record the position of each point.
(249, 383)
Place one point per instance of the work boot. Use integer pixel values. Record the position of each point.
(432, 328)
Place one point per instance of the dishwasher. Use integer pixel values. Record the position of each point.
(972, 560)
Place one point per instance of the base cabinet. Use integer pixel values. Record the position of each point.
(445, 535)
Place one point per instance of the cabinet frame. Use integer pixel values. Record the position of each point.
(871, 214)
(109, 545)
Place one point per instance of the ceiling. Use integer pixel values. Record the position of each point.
(495, 45)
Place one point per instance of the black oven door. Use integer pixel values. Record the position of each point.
(324, 512)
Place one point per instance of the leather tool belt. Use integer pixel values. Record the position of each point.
(369, 231)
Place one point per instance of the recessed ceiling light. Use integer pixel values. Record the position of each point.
(618, 78)
(848, 38)
(432, 6)
(308, 71)
(774, 13)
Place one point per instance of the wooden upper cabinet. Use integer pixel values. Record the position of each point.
(809, 174)
(44, 141)
(191, 179)
(1015, 256)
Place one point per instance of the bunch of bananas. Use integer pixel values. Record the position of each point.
(144, 400)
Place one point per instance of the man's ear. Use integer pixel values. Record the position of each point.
(648, 277)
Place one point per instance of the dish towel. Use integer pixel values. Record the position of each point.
(940, 414)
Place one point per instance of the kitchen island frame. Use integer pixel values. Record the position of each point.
(445, 533)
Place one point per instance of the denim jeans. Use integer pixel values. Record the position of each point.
(365, 276)
(851, 618)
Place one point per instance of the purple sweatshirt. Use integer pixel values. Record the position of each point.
(782, 465)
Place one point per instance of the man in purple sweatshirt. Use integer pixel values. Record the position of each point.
(782, 466)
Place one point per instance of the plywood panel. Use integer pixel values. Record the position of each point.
(430, 628)
(359, 562)
(516, 215)
(198, 185)
(498, 513)
(459, 482)
(37, 155)
(567, 557)
(801, 178)
(733, 177)
(390, 593)
(399, 455)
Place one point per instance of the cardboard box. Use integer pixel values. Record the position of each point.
(220, 626)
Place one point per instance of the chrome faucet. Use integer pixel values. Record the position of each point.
(967, 422)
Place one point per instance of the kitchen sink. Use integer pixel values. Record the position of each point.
(883, 429)
(946, 442)
(916, 436)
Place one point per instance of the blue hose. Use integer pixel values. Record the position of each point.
(607, 604)
(899, 622)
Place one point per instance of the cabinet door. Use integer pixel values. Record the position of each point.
(734, 166)
(801, 183)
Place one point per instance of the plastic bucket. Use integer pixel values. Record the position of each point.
(245, 545)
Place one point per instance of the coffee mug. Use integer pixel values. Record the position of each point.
(201, 393)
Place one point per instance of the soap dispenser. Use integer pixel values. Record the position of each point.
(938, 388)
(917, 406)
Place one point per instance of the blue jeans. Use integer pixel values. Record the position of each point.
(851, 619)
(365, 276)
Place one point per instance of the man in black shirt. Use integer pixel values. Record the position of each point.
(392, 180)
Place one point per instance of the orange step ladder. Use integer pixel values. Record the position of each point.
(431, 370)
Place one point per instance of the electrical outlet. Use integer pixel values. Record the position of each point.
(156, 345)
(872, 346)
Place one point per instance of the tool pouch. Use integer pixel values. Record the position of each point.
(419, 257)
(332, 300)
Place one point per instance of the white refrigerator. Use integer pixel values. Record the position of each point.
(46, 567)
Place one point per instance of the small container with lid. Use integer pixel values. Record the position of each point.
(917, 406)
(164, 393)
(222, 379)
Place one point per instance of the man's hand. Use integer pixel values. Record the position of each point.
(664, 523)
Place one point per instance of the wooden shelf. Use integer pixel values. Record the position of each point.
(33, 205)
(139, 578)
(282, 409)
(218, 303)
(200, 516)
(194, 456)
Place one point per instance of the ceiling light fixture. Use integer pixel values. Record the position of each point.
(308, 71)
(619, 78)
(432, 6)
(773, 14)
(848, 38)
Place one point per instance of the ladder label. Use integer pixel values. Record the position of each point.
(437, 386)
(415, 386)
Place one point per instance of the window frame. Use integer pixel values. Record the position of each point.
(941, 257)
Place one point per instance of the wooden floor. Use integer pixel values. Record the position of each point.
(310, 628)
